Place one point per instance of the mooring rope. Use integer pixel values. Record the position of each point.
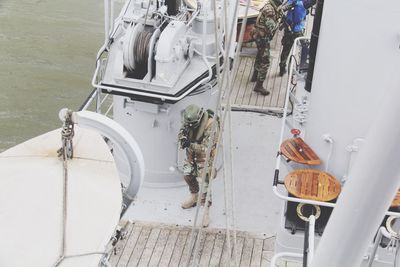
(66, 153)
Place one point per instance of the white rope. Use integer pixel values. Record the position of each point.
(219, 104)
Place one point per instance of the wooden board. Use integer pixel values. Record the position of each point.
(295, 149)
(396, 200)
(312, 184)
(175, 247)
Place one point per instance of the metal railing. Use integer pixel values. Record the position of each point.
(293, 68)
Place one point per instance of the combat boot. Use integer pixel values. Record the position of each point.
(282, 70)
(260, 89)
(191, 202)
(254, 76)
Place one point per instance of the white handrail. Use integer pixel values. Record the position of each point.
(163, 97)
(319, 203)
(278, 160)
(381, 232)
(285, 109)
(311, 237)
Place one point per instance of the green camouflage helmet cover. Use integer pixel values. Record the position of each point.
(277, 2)
(192, 115)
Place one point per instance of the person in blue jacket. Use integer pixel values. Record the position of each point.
(293, 23)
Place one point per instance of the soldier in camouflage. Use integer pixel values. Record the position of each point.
(264, 30)
(293, 23)
(195, 136)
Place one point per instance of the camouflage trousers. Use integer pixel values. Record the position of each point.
(193, 170)
(287, 43)
(263, 58)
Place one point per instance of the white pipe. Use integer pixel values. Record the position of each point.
(111, 15)
(163, 97)
(375, 174)
(106, 20)
(90, 100)
(284, 254)
(301, 200)
(194, 15)
(311, 238)
(382, 232)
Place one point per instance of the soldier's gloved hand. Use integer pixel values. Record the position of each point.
(184, 142)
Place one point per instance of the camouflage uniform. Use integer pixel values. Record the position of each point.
(264, 31)
(194, 164)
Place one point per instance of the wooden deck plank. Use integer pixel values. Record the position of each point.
(114, 258)
(244, 97)
(148, 249)
(249, 89)
(247, 252)
(169, 248)
(224, 257)
(186, 255)
(207, 250)
(179, 246)
(249, 86)
(159, 248)
(268, 251)
(130, 245)
(195, 259)
(139, 248)
(273, 78)
(239, 250)
(243, 81)
(169, 245)
(217, 251)
(238, 77)
(257, 253)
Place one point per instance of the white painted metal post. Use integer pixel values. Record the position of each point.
(311, 238)
(106, 20)
(371, 187)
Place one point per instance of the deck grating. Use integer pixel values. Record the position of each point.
(151, 244)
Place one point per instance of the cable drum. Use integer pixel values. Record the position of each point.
(141, 50)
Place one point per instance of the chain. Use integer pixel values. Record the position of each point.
(65, 153)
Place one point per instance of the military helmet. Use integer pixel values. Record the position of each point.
(277, 2)
(192, 115)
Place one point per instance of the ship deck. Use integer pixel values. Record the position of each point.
(243, 96)
(169, 245)
(257, 210)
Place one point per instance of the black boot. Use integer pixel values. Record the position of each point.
(260, 89)
(254, 76)
(282, 70)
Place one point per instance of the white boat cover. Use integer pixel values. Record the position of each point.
(31, 201)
